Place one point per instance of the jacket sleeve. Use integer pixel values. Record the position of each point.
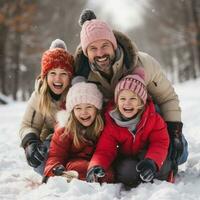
(158, 142)
(160, 88)
(33, 120)
(58, 151)
(106, 150)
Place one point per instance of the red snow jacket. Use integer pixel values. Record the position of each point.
(150, 136)
(62, 151)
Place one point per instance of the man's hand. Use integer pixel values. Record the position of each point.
(176, 144)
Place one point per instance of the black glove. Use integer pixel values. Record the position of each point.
(147, 169)
(35, 151)
(94, 174)
(58, 170)
(176, 144)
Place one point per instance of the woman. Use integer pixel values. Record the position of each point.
(49, 97)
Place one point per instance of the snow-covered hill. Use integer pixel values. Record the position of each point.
(19, 181)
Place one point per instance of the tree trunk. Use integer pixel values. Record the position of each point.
(3, 39)
(196, 16)
(17, 50)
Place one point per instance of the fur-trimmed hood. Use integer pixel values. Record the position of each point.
(62, 118)
(129, 48)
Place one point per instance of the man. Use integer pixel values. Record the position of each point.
(105, 56)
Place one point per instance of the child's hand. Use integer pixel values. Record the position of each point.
(58, 170)
(147, 169)
(94, 174)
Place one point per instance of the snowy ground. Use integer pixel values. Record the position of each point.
(19, 181)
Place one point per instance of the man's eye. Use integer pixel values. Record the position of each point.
(105, 46)
(92, 49)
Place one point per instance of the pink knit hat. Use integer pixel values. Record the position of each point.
(135, 83)
(83, 92)
(93, 30)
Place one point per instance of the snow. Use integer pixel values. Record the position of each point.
(19, 181)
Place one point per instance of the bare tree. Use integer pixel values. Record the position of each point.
(27, 29)
(3, 39)
(173, 41)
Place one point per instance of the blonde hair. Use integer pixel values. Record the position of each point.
(45, 99)
(92, 132)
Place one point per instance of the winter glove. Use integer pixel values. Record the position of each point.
(58, 170)
(147, 169)
(94, 174)
(176, 144)
(35, 151)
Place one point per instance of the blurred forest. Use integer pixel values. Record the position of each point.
(170, 32)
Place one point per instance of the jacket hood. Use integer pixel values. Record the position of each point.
(129, 48)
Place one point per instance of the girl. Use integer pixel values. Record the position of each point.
(48, 98)
(135, 133)
(72, 146)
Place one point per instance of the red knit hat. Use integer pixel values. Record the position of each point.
(135, 83)
(56, 58)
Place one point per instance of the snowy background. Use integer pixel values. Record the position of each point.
(19, 181)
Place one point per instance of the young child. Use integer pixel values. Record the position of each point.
(47, 99)
(134, 133)
(79, 128)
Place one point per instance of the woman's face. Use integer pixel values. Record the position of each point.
(58, 79)
(128, 103)
(85, 113)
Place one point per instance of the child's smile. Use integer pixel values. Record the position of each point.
(85, 113)
(128, 103)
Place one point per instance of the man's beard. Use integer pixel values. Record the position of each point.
(109, 62)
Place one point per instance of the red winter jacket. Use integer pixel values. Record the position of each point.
(151, 135)
(62, 151)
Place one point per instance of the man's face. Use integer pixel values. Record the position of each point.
(102, 55)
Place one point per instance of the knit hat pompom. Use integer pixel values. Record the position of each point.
(83, 92)
(78, 79)
(140, 72)
(58, 43)
(86, 15)
(134, 82)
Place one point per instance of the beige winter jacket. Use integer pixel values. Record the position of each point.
(159, 87)
(34, 121)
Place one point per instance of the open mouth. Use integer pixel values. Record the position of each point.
(128, 110)
(102, 59)
(85, 118)
(57, 85)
